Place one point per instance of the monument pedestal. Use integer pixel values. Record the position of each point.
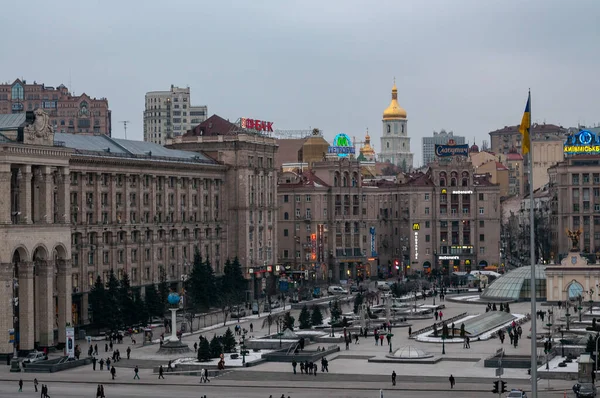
(172, 344)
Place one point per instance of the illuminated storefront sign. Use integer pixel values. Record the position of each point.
(313, 247)
(257, 125)
(342, 145)
(584, 141)
(416, 226)
(373, 250)
(449, 258)
(451, 149)
(462, 192)
(416, 245)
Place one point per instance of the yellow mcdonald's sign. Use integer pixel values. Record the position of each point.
(416, 226)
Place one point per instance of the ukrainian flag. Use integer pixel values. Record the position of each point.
(525, 127)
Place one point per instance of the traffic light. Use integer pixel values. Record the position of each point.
(396, 264)
(503, 384)
(495, 389)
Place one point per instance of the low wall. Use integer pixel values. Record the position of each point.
(510, 361)
(310, 356)
(53, 365)
(269, 344)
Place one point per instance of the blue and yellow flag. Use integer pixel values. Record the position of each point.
(525, 127)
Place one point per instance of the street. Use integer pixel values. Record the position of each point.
(125, 391)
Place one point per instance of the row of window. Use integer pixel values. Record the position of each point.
(585, 178)
(145, 180)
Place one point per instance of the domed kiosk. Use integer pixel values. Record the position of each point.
(516, 286)
(409, 353)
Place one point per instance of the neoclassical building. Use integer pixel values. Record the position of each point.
(73, 207)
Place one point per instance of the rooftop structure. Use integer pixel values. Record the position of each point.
(516, 285)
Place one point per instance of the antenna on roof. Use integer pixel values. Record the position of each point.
(125, 126)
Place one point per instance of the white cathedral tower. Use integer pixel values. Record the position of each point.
(395, 142)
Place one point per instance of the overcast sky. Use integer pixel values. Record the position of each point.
(461, 65)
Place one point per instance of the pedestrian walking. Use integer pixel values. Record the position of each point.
(301, 367)
(20, 385)
(45, 391)
(409, 331)
(113, 372)
(136, 371)
(105, 347)
(195, 347)
(452, 381)
(161, 372)
(251, 328)
(394, 378)
(436, 315)
(294, 364)
(35, 384)
(169, 366)
(468, 342)
(101, 363)
(206, 376)
(128, 352)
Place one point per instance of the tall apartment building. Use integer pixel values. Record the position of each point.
(250, 189)
(440, 138)
(546, 146)
(68, 113)
(333, 226)
(169, 114)
(575, 202)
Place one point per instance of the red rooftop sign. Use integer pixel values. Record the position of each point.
(258, 125)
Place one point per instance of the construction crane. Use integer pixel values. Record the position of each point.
(125, 126)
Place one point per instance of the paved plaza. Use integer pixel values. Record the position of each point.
(349, 370)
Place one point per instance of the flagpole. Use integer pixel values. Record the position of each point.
(532, 289)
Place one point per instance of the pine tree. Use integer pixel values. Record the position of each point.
(204, 351)
(358, 300)
(153, 303)
(316, 317)
(126, 302)
(97, 301)
(233, 282)
(141, 309)
(228, 341)
(304, 318)
(215, 347)
(336, 311)
(163, 289)
(288, 321)
(113, 308)
(202, 283)
(435, 330)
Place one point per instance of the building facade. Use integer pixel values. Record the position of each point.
(68, 113)
(76, 207)
(546, 146)
(454, 216)
(169, 114)
(395, 142)
(575, 202)
(440, 138)
(333, 226)
(250, 191)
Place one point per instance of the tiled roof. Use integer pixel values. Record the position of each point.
(421, 180)
(214, 125)
(500, 166)
(535, 128)
(514, 156)
(102, 145)
(11, 121)
(306, 179)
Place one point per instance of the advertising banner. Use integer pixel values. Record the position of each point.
(70, 342)
(443, 151)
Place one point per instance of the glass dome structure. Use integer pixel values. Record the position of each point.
(516, 285)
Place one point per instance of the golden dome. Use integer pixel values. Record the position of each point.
(367, 149)
(394, 111)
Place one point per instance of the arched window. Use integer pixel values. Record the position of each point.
(574, 290)
(442, 179)
(335, 181)
(286, 216)
(453, 179)
(344, 181)
(465, 179)
(17, 92)
(403, 128)
(387, 145)
(389, 128)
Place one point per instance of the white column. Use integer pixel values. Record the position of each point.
(45, 301)
(64, 298)
(173, 336)
(26, 306)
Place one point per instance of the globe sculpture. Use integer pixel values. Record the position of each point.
(173, 299)
(172, 344)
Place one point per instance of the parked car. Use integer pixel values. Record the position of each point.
(274, 304)
(516, 393)
(383, 286)
(335, 290)
(585, 389)
(35, 356)
(238, 312)
(255, 308)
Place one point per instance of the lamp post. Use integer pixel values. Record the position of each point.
(443, 344)
(280, 327)
(244, 348)
(184, 279)
(567, 315)
(549, 324)
(562, 341)
(591, 300)
(579, 307)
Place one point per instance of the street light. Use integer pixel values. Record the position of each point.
(244, 348)
(562, 341)
(184, 278)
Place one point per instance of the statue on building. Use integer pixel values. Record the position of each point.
(40, 131)
(574, 236)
